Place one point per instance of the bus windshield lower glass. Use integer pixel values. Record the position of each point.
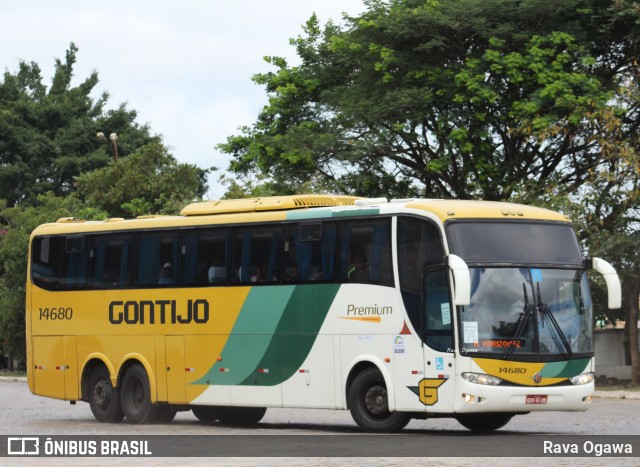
(527, 311)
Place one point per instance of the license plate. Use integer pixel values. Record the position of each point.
(536, 399)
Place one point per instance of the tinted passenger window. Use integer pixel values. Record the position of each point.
(205, 254)
(438, 329)
(157, 258)
(365, 252)
(256, 254)
(45, 261)
(74, 265)
(310, 252)
(109, 261)
(419, 246)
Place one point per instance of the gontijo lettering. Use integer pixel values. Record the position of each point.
(158, 312)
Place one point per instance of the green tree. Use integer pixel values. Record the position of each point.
(18, 223)
(48, 136)
(441, 98)
(149, 181)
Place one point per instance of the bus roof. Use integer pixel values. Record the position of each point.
(305, 207)
(269, 203)
(448, 209)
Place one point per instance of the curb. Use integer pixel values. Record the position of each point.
(617, 394)
(14, 378)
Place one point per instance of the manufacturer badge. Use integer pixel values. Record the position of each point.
(537, 378)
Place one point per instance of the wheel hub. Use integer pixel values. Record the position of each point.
(101, 394)
(376, 400)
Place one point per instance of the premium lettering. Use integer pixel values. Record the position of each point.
(353, 310)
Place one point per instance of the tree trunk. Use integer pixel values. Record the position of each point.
(631, 295)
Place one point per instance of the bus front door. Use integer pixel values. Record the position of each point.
(436, 389)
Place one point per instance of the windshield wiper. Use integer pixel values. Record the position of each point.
(544, 309)
(523, 319)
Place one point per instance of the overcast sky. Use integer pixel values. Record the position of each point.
(185, 65)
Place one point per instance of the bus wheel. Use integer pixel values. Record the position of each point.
(241, 415)
(255, 414)
(166, 414)
(135, 396)
(206, 413)
(104, 399)
(369, 404)
(484, 421)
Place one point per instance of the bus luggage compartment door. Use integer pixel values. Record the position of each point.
(49, 366)
(176, 375)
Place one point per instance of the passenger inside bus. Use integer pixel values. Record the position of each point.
(217, 273)
(292, 273)
(167, 275)
(358, 271)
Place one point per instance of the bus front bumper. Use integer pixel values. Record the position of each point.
(471, 398)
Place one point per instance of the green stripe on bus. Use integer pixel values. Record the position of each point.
(565, 369)
(325, 213)
(273, 335)
(305, 214)
(295, 334)
(250, 336)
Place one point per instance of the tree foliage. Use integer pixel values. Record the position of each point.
(450, 98)
(48, 135)
(149, 181)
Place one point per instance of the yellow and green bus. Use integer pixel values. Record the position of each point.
(394, 310)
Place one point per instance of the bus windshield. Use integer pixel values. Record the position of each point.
(517, 311)
(529, 291)
(515, 242)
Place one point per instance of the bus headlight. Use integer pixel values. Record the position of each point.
(584, 378)
(481, 378)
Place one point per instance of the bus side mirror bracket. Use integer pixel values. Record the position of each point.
(462, 280)
(614, 290)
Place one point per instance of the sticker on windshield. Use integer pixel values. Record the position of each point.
(536, 275)
(470, 330)
(446, 313)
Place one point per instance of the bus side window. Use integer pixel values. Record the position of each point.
(45, 261)
(365, 252)
(255, 254)
(109, 261)
(418, 245)
(73, 267)
(157, 258)
(437, 308)
(310, 251)
(205, 253)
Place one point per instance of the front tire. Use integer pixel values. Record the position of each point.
(484, 422)
(104, 399)
(206, 413)
(135, 396)
(369, 404)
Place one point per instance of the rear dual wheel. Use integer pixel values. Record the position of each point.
(132, 399)
(104, 399)
(135, 397)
